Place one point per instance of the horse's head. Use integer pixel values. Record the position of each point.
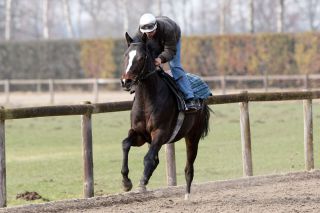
(135, 62)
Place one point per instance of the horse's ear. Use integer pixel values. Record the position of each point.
(144, 38)
(129, 39)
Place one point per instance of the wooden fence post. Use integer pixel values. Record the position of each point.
(171, 165)
(308, 134)
(245, 138)
(306, 82)
(223, 84)
(96, 90)
(88, 182)
(51, 90)
(39, 86)
(265, 82)
(3, 187)
(7, 90)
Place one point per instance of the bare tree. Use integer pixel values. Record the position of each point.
(45, 19)
(202, 16)
(191, 17)
(225, 7)
(171, 10)
(93, 8)
(265, 16)
(310, 9)
(185, 18)
(108, 18)
(292, 22)
(67, 18)
(79, 21)
(8, 20)
(26, 20)
(251, 16)
(280, 16)
(222, 17)
(159, 7)
(125, 15)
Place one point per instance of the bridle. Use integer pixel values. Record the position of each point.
(144, 74)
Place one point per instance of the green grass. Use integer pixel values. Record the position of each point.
(45, 154)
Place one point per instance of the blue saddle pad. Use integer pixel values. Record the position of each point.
(200, 89)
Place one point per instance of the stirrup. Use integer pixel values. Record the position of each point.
(194, 106)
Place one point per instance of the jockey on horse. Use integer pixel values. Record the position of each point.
(167, 34)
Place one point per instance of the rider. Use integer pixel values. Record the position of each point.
(168, 34)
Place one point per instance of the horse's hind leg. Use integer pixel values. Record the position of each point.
(192, 150)
(133, 139)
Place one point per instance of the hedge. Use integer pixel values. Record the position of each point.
(204, 55)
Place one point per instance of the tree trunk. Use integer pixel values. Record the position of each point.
(8, 20)
(184, 12)
(251, 16)
(312, 7)
(125, 16)
(222, 17)
(159, 8)
(45, 19)
(280, 16)
(203, 19)
(191, 29)
(66, 12)
(79, 21)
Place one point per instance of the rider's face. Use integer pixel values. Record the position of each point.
(151, 34)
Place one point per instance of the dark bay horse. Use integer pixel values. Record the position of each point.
(154, 114)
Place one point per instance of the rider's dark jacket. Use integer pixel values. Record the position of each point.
(167, 35)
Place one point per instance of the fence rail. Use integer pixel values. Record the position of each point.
(87, 109)
(223, 82)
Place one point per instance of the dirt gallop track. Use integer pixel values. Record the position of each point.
(293, 192)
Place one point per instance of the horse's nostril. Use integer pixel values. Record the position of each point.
(122, 82)
(126, 84)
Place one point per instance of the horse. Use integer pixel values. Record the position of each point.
(154, 114)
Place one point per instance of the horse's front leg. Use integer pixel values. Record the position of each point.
(151, 161)
(126, 182)
(133, 139)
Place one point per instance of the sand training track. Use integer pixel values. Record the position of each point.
(292, 192)
(30, 99)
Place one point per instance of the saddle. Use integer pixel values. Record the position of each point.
(199, 87)
(174, 89)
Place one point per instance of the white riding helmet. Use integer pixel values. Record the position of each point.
(147, 23)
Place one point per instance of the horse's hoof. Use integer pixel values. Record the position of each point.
(187, 196)
(127, 185)
(142, 188)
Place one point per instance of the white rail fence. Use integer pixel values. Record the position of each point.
(224, 83)
(87, 109)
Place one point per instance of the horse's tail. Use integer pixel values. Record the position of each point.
(205, 117)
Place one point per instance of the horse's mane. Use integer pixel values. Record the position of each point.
(153, 48)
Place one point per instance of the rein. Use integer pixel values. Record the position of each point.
(148, 74)
(141, 78)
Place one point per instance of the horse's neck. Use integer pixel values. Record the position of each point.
(151, 89)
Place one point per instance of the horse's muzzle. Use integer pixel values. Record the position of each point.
(126, 84)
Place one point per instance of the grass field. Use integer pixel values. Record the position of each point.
(45, 154)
